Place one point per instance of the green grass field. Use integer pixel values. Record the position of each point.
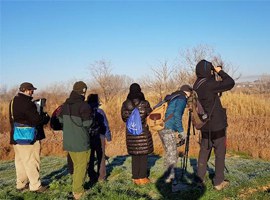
(250, 179)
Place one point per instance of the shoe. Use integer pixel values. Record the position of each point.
(222, 185)
(136, 181)
(26, 187)
(144, 181)
(41, 189)
(77, 195)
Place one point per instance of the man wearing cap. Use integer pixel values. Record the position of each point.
(76, 119)
(27, 157)
(174, 127)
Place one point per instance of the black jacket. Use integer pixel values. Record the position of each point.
(208, 94)
(138, 144)
(25, 112)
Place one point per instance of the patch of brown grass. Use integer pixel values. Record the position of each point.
(248, 131)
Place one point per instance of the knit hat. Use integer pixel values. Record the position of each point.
(80, 87)
(134, 88)
(27, 86)
(186, 88)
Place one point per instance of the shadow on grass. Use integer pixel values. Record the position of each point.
(185, 187)
(55, 175)
(117, 161)
(151, 161)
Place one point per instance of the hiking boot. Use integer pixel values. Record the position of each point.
(136, 181)
(41, 189)
(26, 187)
(144, 181)
(222, 185)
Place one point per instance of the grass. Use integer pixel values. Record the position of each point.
(250, 179)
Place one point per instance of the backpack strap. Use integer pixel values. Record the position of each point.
(199, 83)
(11, 109)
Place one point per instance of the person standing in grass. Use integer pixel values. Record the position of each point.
(214, 131)
(138, 146)
(98, 132)
(27, 156)
(76, 119)
(173, 132)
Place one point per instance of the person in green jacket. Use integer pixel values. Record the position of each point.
(76, 119)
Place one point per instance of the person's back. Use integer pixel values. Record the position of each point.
(138, 146)
(76, 118)
(214, 131)
(208, 94)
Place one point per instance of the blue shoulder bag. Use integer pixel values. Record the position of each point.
(22, 133)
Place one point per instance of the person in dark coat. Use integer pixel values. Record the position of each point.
(214, 131)
(27, 156)
(138, 146)
(98, 132)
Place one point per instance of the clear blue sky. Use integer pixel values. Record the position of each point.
(44, 42)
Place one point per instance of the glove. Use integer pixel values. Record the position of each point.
(182, 135)
(45, 118)
(181, 139)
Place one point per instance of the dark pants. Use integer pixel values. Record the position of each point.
(219, 146)
(96, 148)
(69, 164)
(139, 166)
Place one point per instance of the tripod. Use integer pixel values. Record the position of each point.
(185, 156)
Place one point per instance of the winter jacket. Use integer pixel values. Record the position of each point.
(25, 111)
(138, 144)
(175, 111)
(208, 94)
(108, 135)
(76, 119)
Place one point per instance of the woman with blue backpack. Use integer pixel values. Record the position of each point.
(134, 112)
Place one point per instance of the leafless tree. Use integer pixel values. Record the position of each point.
(161, 80)
(108, 84)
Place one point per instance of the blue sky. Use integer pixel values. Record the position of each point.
(44, 42)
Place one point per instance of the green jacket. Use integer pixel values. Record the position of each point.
(76, 119)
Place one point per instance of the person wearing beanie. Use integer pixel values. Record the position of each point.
(173, 132)
(23, 111)
(98, 132)
(138, 146)
(214, 131)
(76, 119)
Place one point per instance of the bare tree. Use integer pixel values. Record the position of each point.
(109, 85)
(161, 81)
(191, 56)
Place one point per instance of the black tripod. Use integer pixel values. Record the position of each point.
(185, 156)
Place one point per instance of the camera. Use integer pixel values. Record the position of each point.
(40, 104)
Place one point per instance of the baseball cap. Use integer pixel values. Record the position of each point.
(27, 86)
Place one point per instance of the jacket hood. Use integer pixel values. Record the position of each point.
(203, 69)
(75, 98)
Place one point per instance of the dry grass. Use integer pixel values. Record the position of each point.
(248, 131)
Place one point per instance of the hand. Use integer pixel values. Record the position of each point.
(46, 118)
(181, 135)
(218, 68)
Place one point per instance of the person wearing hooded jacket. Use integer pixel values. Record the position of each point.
(174, 126)
(138, 146)
(98, 132)
(214, 131)
(27, 157)
(76, 119)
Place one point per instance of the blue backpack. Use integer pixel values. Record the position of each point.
(134, 122)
